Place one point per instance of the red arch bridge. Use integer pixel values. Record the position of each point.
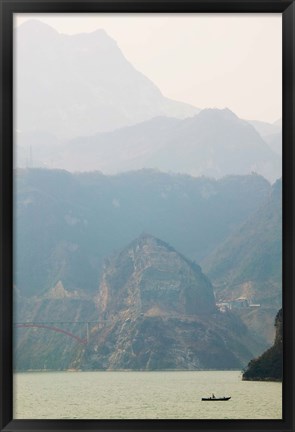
(56, 327)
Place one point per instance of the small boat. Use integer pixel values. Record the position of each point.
(213, 398)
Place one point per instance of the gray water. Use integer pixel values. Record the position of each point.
(143, 395)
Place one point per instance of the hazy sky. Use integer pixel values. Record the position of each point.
(207, 60)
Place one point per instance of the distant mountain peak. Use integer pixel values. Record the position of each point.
(85, 75)
(36, 26)
(224, 113)
(98, 32)
(98, 38)
(146, 238)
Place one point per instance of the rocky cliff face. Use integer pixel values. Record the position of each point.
(154, 310)
(269, 366)
(150, 277)
(160, 314)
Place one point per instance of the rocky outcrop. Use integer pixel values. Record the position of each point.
(154, 310)
(150, 277)
(269, 366)
(160, 314)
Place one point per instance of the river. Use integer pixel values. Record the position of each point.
(143, 395)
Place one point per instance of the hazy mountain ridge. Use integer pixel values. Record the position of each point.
(68, 223)
(250, 261)
(249, 265)
(92, 86)
(271, 134)
(159, 305)
(189, 146)
(83, 218)
(266, 129)
(94, 89)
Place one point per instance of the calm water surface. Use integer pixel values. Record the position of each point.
(143, 395)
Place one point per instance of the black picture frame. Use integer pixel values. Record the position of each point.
(8, 8)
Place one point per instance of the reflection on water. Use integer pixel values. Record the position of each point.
(143, 395)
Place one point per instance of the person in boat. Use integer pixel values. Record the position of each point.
(213, 396)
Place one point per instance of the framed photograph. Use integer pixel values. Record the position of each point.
(147, 215)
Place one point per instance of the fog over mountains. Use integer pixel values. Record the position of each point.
(120, 194)
(67, 224)
(271, 133)
(73, 85)
(214, 143)
(82, 106)
(250, 260)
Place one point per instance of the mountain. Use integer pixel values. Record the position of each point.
(82, 106)
(250, 260)
(154, 309)
(268, 366)
(275, 142)
(151, 275)
(249, 264)
(265, 129)
(213, 143)
(66, 224)
(160, 312)
(73, 85)
(271, 133)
